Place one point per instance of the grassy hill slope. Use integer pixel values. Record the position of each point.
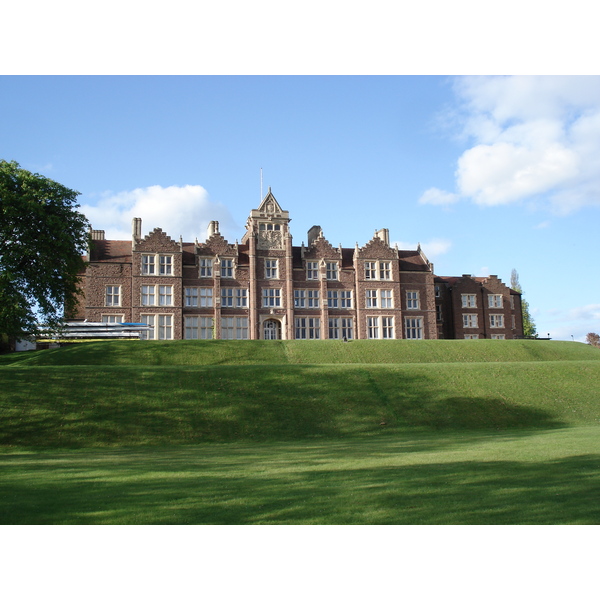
(130, 393)
(220, 352)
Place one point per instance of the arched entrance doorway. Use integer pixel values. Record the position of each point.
(272, 329)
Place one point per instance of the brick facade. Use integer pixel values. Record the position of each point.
(265, 288)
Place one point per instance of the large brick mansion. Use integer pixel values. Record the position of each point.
(266, 288)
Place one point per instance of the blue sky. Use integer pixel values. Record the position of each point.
(487, 173)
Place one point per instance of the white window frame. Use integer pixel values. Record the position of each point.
(165, 264)
(469, 300)
(413, 327)
(385, 270)
(370, 270)
(332, 299)
(227, 328)
(470, 321)
(165, 295)
(206, 267)
(313, 298)
(331, 271)
(299, 298)
(165, 327)
(112, 318)
(346, 299)
(148, 295)
(498, 336)
(312, 270)
(495, 301)
(497, 321)
(148, 319)
(271, 298)
(471, 336)
(205, 296)
(157, 264)
(227, 268)
(373, 328)
(387, 328)
(148, 264)
(234, 328)
(341, 328)
(190, 296)
(112, 297)
(386, 298)
(227, 297)
(412, 300)
(371, 299)
(307, 328)
(241, 298)
(271, 268)
(198, 327)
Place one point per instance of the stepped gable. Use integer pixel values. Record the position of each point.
(157, 241)
(217, 245)
(376, 248)
(321, 248)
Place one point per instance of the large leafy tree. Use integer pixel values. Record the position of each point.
(42, 239)
(529, 328)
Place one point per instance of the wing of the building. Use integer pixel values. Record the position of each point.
(266, 288)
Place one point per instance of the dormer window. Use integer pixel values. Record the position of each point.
(226, 267)
(332, 271)
(206, 265)
(312, 270)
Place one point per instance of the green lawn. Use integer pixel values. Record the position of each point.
(450, 478)
(301, 432)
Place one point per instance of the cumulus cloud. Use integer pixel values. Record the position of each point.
(177, 210)
(572, 324)
(530, 138)
(432, 249)
(590, 312)
(438, 197)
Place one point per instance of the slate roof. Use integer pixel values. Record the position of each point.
(119, 251)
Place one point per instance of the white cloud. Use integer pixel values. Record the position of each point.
(502, 173)
(432, 249)
(572, 324)
(530, 138)
(438, 197)
(590, 312)
(177, 210)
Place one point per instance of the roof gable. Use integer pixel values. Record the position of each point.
(157, 241)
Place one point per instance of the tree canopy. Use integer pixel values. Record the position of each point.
(529, 328)
(42, 240)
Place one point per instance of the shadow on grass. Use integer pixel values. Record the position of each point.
(74, 407)
(188, 487)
